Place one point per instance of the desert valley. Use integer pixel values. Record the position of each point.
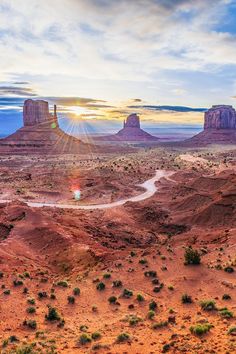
(117, 177)
(82, 273)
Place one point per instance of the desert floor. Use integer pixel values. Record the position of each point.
(116, 277)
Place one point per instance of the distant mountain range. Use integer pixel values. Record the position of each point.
(170, 108)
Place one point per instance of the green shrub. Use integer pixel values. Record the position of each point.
(76, 291)
(31, 301)
(192, 256)
(101, 286)
(106, 276)
(161, 324)
(186, 299)
(150, 274)
(32, 324)
(143, 261)
(7, 292)
(229, 269)
(127, 293)
(225, 313)
(200, 329)
(112, 299)
(232, 330)
(42, 294)
(31, 309)
(62, 283)
(123, 337)
(117, 284)
(85, 339)
(208, 305)
(151, 314)
(96, 335)
(140, 298)
(52, 314)
(153, 305)
(71, 299)
(226, 297)
(17, 282)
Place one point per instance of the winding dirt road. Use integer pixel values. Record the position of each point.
(148, 185)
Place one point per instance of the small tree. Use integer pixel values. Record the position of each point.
(192, 256)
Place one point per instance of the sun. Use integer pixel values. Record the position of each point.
(77, 110)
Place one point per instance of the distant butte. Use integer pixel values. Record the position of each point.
(41, 133)
(219, 127)
(131, 131)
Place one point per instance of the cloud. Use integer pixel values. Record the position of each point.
(17, 91)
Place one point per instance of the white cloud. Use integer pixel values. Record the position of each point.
(116, 40)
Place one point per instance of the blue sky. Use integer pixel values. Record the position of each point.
(109, 54)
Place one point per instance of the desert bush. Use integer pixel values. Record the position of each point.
(140, 298)
(100, 286)
(161, 324)
(71, 299)
(143, 261)
(200, 329)
(76, 291)
(42, 294)
(117, 284)
(85, 339)
(52, 314)
(186, 299)
(62, 283)
(208, 305)
(112, 299)
(96, 335)
(32, 324)
(31, 309)
(226, 297)
(225, 313)
(106, 276)
(192, 256)
(153, 305)
(229, 269)
(7, 292)
(232, 330)
(150, 274)
(150, 314)
(123, 337)
(127, 293)
(17, 282)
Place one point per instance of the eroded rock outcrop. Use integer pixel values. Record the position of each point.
(220, 117)
(131, 132)
(219, 127)
(42, 134)
(37, 112)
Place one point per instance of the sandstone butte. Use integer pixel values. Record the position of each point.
(219, 127)
(131, 131)
(41, 134)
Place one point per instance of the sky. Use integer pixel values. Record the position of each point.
(100, 60)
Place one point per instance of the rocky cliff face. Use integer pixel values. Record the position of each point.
(220, 117)
(132, 121)
(37, 112)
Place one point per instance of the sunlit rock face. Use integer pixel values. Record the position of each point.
(37, 112)
(132, 121)
(220, 117)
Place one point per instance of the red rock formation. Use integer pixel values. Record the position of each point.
(130, 132)
(41, 133)
(220, 117)
(37, 112)
(219, 127)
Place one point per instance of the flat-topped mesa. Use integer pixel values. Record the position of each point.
(132, 121)
(36, 112)
(220, 117)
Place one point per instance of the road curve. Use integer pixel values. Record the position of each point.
(148, 185)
